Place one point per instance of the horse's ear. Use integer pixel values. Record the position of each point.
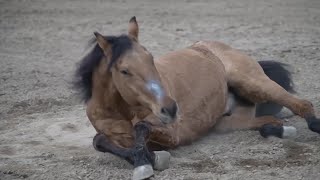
(103, 43)
(133, 29)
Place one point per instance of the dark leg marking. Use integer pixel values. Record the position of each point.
(138, 155)
(141, 154)
(271, 130)
(102, 144)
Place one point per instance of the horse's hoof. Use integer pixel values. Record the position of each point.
(142, 172)
(97, 140)
(289, 132)
(162, 160)
(314, 124)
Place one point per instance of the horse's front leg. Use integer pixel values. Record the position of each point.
(143, 159)
(138, 154)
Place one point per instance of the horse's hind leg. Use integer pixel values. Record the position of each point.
(266, 125)
(242, 118)
(249, 81)
(258, 88)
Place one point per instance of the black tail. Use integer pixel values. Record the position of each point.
(277, 72)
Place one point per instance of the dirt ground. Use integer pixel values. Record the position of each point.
(44, 132)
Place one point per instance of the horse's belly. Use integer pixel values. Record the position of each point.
(199, 86)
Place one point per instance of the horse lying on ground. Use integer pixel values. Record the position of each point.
(139, 105)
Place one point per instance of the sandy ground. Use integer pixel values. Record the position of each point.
(44, 133)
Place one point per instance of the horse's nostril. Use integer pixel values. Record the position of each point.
(164, 111)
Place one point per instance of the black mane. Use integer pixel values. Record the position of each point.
(83, 74)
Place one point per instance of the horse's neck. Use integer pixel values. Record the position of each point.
(106, 95)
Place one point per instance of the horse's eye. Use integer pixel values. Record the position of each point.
(125, 72)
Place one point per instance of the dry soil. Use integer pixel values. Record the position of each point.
(44, 132)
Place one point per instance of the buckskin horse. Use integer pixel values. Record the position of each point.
(141, 107)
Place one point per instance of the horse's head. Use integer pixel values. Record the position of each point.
(135, 75)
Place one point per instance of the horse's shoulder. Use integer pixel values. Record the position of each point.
(97, 110)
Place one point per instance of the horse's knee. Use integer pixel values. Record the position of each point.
(174, 141)
(164, 137)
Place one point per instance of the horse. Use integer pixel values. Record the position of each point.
(141, 107)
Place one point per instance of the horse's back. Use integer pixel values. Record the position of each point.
(236, 63)
(197, 80)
